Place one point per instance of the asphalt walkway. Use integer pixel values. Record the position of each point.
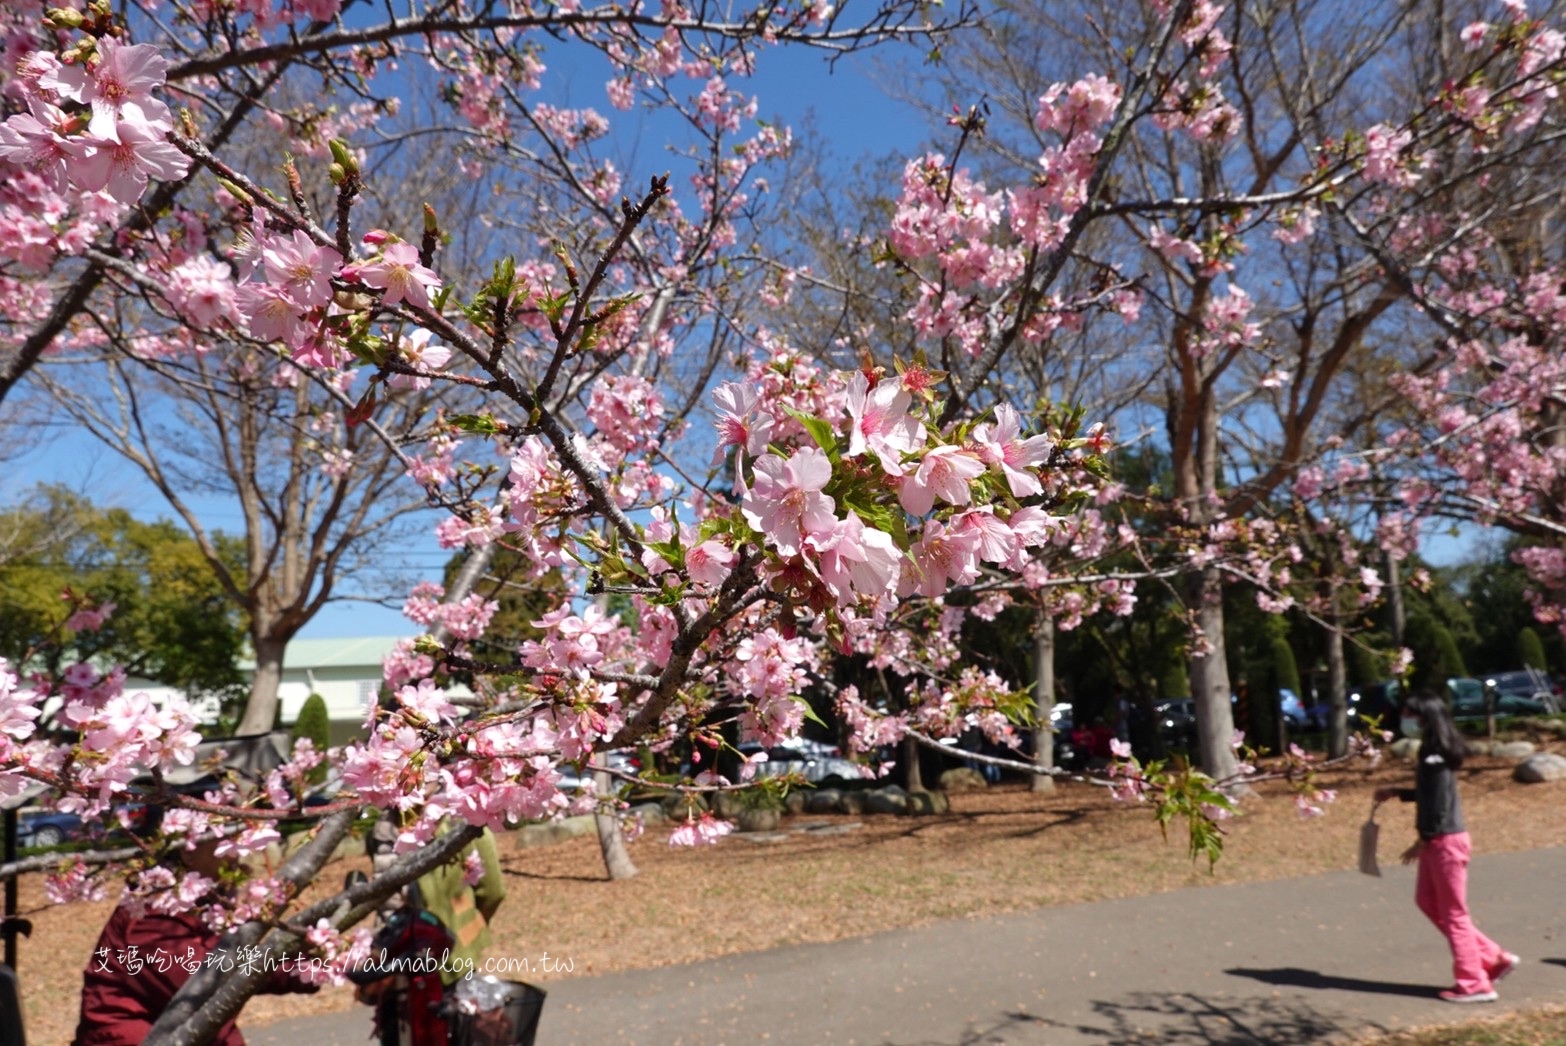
(1310, 960)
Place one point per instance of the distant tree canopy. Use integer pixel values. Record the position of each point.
(172, 623)
(1436, 657)
(523, 598)
(1530, 649)
(315, 723)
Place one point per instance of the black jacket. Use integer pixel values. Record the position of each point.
(1439, 811)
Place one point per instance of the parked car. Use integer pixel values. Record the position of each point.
(813, 768)
(39, 827)
(1469, 701)
(1177, 722)
(1527, 683)
(1062, 722)
(1302, 718)
(624, 762)
(1378, 700)
(1293, 709)
(47, 828)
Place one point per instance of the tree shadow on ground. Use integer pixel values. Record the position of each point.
(1187, 1020)
(1554, 962)
(1294, 977)
(541, 876)
(992, 824)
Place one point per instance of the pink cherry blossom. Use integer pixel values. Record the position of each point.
(414, 350)
(203, 290)
(994, 540)
(90, 619)
(118, 88)
(1384, 161)
(785, 501)
(703, 831)
(856, 559)
(121, 166)
(32, 141)
(251, 840)
(881, 422)
(943, 472)
(302, 268)
(427, 701)
(399, 272)
(740, 424)
(270, 314)
(709, 563)
(941, 556)
(17, 709)
(1000, 448)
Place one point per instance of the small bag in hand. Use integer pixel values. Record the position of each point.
(1369, 836)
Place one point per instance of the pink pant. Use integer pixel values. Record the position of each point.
(1442, 895)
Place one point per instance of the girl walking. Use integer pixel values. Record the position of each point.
(1443, 849)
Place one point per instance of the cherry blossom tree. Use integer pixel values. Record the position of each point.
(1240, 197)
(848, 505)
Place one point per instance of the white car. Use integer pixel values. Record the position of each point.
(812, 760)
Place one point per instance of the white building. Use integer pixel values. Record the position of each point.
(346, 672)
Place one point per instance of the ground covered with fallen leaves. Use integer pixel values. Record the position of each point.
(998, 850)
(1537, 1028)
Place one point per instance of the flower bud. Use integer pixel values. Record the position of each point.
(235, 191)
(64, 18)
(337, 173)
(341, 154)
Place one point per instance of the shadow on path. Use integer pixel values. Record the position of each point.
(1293, 977)
(1184, 1018)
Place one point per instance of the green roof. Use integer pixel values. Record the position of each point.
(334, 653)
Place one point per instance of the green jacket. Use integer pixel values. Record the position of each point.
(465, 910)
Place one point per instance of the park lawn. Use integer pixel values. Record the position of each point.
(1002, 849)
(1536, 1028)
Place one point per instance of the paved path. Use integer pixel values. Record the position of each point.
(1296, 961)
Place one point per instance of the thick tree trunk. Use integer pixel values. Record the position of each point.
(617, 856)
(1043, 698)
(911, 765)
(1337, 690)
(261, 706)
(1210, 682)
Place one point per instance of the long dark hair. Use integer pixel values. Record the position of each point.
(1440, 735)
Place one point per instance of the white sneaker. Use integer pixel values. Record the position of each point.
(1453, 995)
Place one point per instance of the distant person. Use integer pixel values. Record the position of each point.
(1443, 849)
(1099, 738)
(462, 896)
(1123, 713)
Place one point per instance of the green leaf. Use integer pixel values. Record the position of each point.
(478, 424)
(820, 431)
(810, 713)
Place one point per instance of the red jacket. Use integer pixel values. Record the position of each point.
(124, 992)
